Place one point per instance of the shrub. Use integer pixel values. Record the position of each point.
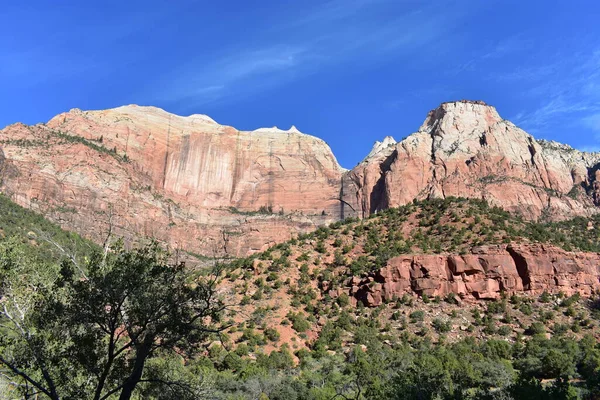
(343, 300)
(299, 322)
(441, 326)
(545, 297)
(272, 334)
(536, 328)
(417, 316)
(526, 309)
(504, 330)
(451, 298)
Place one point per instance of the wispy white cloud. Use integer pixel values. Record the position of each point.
(540, 118)
(508, 47)
(568, 91)
(63, 50)
(480, 58)
(200, 84)
(527, 73)
(358, 32)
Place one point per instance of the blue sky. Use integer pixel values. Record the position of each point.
(348, 71)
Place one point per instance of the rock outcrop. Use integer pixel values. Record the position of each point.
(199, 186)
(466, 149)
(483, 274)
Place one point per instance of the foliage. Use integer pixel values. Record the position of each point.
(92, 144)
(41, 238)
(338, 351)
(66, 333)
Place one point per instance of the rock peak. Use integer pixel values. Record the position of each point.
(383, 146)
(465, 115)
(275, 129)
(464, 101)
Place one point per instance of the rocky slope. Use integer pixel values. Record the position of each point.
(211, 189)
(483, 274)
(451, 253)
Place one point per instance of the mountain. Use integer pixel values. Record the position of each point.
(466, 149)
(212, 190)
(188, 181)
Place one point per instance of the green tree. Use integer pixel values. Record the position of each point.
(69, 335)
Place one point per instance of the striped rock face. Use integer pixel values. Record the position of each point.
(466, 149)
(211, 189)
(188, 181)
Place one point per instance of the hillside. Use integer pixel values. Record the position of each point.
(336, 272)
(296, 329)
(296, 302)
(43, 239)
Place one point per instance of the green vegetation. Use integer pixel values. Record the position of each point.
(92, 144)
(263, 210)
(43, 239)
(435, 226)
(70, 331)
(291, 333)
(54, 137)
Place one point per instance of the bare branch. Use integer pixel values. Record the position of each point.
(71, 256)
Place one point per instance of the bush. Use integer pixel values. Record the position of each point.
(272, 334)
(441, 326)
(504, 330)
(451, 298)
(299, 322)
(526, 309)
(536, 328)
(545, 297)
(417, 316)
(343, 300)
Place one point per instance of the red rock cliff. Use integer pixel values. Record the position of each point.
(188, 181)
(196, 184)
(484, 273)
(466, 149)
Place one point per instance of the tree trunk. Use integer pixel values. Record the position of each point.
(136, 374)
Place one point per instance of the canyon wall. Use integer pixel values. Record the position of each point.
(466, 149)
(211, 189)
(188, 181)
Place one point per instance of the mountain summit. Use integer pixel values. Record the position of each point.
(212, 189)
(466, 149)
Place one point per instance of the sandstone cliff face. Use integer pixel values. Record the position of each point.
(188, 181)
(466, 149)
(197, 185)
(483, 274)
(363, 188)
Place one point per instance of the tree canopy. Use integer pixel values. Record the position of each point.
(88, 333)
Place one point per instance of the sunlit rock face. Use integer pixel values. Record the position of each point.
(466, 149)
(188, 181)
(483, 274)
(197, 185)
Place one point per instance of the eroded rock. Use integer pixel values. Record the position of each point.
(485, 273)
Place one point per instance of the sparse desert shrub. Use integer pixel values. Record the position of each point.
(417, 316)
